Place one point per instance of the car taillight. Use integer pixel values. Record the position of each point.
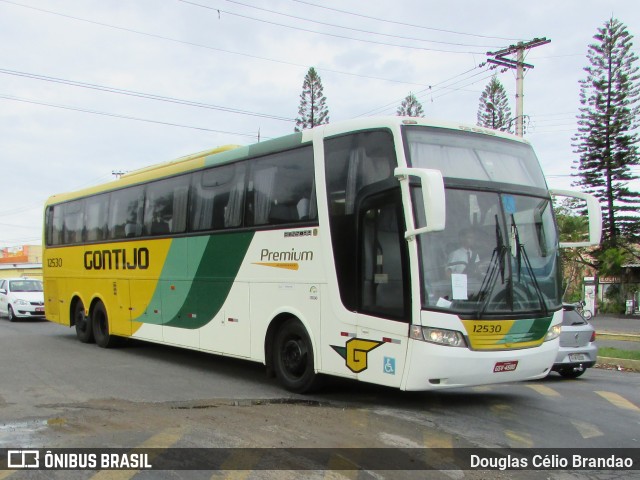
(593, 337)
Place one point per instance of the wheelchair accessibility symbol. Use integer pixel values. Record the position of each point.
(390, 365)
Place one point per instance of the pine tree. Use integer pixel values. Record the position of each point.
(410, 107)
(313, 109)
(607, 138)
(494, 111)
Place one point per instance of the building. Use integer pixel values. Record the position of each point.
(21, 261)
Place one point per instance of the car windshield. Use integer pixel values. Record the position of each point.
(25, 286)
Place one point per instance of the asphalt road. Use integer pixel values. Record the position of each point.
(56, 392)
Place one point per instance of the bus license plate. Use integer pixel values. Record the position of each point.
(505, 366)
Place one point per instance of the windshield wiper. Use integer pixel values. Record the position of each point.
(497, 264)
(521, 253)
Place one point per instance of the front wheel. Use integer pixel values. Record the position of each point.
(100, 326)
(293, 358)
(11, 314)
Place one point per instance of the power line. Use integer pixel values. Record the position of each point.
(403, 23)
(208, 47)
(125, 117)
(442, 85)
(327, 24)
(334, 35)
(150, 96)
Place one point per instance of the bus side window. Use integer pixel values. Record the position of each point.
(73, 222)
(217, 198)
(125, 213)
(96, 210)
(54, 225)
(281, 189)
(165, 208)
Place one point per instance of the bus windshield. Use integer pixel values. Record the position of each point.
(498, 254)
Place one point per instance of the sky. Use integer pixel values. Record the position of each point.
(92, 87)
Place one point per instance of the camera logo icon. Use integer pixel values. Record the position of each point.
(23, 459)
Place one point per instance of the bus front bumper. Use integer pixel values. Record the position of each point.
(434, 366)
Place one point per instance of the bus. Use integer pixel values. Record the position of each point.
(330, 251)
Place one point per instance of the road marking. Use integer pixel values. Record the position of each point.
(344, 467)
(249, 458)
(544, 390)
(518, 440)
(160, 442)
(619, 401)
(587, 430)
(435, 439)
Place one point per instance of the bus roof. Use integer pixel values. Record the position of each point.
(230, 153)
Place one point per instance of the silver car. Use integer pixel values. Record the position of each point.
(578, 350)
(21, 298)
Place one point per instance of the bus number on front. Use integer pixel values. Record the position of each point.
(491, 328)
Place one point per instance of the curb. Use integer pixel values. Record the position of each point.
(623, 362)
(627, 337)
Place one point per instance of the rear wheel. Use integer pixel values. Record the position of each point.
(293, 358)
(84, 328)
(100, 326)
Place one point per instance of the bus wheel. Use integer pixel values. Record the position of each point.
(84, 330)
(293, 358)
(100, 326)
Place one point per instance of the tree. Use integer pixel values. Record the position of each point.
(607, 138)
(576, 262)
(494, 111)
(410, 107)
(313, 109)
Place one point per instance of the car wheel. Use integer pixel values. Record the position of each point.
(84, 327)
(571, 373)
(10, 314)
(100, 327)
(293, 358)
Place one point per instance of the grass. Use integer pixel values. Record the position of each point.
(617, 353)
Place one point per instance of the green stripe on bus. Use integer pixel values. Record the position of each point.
(527, 330)
(218, 267)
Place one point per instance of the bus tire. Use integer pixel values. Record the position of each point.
(100, 326)
(293, 358)
(84, 327)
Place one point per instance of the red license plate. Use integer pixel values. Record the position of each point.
(505, 366)
(39, 309)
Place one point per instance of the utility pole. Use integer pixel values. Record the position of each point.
(520, 66)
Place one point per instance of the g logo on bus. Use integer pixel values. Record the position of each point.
(355, 352)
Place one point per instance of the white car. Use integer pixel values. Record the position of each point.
(21, 298)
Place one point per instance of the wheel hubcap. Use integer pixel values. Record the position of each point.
(294, 356)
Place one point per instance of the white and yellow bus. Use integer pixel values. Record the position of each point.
(333, 251)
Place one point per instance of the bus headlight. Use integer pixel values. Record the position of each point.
(440, 336)
(554, 332)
